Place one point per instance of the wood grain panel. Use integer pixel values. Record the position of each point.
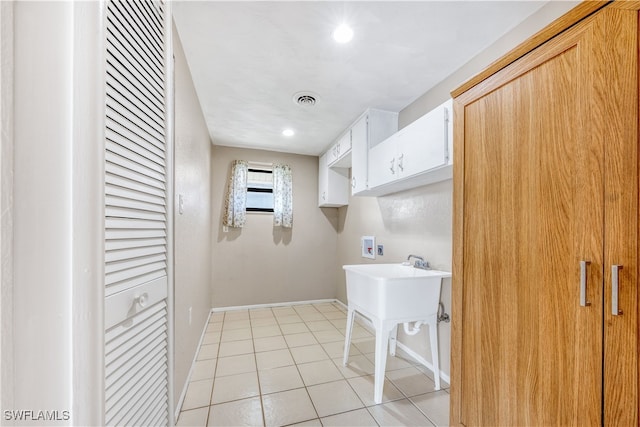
(618, 98)
(534, 187)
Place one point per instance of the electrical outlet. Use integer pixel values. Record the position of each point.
(190, 312)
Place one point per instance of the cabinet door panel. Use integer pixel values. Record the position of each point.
(383, 167)
(620, 135)
(531, 209)
(423, 145)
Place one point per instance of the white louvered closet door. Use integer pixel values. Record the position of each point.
(137, 172)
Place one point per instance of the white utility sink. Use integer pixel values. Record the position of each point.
(390, 294)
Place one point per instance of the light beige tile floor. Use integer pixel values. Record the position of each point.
(282, 366)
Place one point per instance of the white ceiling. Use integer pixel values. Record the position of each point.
(248, 59)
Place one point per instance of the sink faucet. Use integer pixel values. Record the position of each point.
(419, 262)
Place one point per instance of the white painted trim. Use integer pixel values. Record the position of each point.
(342, 304)
(277, 304)
(193, 363)
(88, 83)
(170, 182)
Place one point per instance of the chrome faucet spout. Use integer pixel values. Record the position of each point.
(419, 262)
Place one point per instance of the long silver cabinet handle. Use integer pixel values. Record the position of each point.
(615, 269)
(583, 283)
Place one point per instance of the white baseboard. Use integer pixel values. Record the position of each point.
(275, 304)
(186, 384)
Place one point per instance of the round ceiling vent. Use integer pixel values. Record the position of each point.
(305, 99)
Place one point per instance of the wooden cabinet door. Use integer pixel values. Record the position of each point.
(531, 203)
(620, 136)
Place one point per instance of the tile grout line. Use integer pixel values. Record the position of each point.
(404, 395)
(301, 377)
(255, 359)
(215, 371)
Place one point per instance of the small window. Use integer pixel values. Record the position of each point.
(260, 189)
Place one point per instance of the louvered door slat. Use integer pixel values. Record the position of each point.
(136, 243)
(116, 336)
(146, 417)
(113, 245)
(145, 400)
(148, 19)
(131, 79)
(124, 254)
(151, 272)
(132, 142)
(153, 14)
(131, 114)
(125, 54)
(135, 204)
(139, 176)
(134, 155)
(119, 181)
(118, 192)
(149, 417)
(136, 24)
(132, 212)
(129, 275)
(140, 111)
(132, 263)
(138, 127)
(117, 161)
(136, 370)
(114, 234)
(134, 223)
(120, 408)
(123, 87)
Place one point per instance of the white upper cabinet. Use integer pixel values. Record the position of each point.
(340, 152)
(383, 166)
(423, 145)
(418, 154)
(373, 127)
(333, 184)
(351, 150)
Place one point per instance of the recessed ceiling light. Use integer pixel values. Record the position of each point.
(343, 34)
(288, 132)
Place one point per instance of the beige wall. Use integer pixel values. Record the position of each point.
(261, 264)
(418, 221)
(6, 204)
(193, 227)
